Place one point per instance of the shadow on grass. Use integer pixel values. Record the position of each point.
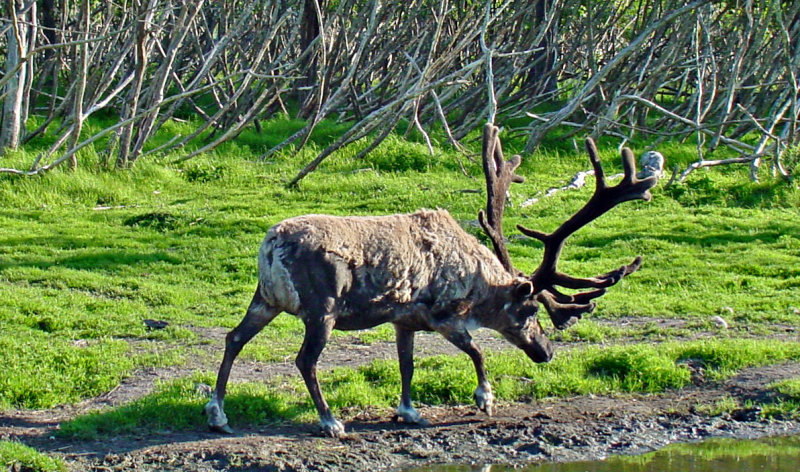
(160, 420)
(87, 253)
(696, 239)
(173, 414)
(136, 427)
(164, 413)
(104, 259)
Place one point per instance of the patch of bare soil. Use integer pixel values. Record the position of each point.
(580, 428)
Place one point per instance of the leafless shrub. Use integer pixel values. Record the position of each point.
(722, 74)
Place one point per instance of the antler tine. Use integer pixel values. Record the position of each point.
(563, 308)
(599, 175)
(629, 164)
(499, 177)
(563, 315)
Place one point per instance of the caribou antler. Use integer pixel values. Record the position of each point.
(565, 309)
(499, 176)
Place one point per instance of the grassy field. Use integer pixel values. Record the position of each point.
(85, 257)
(16, 456)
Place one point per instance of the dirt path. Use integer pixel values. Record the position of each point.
(577, 428)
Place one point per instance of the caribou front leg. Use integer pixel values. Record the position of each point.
(405, 354)
(318, 330)
(461, 338)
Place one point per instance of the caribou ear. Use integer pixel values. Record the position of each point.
(523, 290)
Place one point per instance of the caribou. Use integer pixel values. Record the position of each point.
(422, 272)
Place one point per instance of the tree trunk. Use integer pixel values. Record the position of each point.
(542, 73)
(155, 93)
(17, 38)
(80, 82)
(308, 96)
(142, 53)
(48, 12)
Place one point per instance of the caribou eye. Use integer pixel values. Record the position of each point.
(523, 290)
(524, 313)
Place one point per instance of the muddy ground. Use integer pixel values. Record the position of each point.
(580, 428)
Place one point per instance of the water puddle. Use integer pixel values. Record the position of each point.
(778, 454)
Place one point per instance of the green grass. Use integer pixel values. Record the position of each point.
(608, 370)
(16, 456)
(86, 256)
(790, 388)
(787, 403)
(781, 402)
(50, 371)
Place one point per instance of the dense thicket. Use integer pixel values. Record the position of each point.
(723, 73)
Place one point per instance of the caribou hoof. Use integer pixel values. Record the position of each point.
(419, 421)
(224, 429)
(484, 399)
(217, 421)
(332, 428)
(409, 415)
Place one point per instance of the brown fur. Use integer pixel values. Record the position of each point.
(419, 271)
(410, 262)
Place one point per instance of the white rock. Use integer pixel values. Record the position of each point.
(651, 163)
(719, 321)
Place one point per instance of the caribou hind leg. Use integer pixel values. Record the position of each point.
(318, 330)
(405, 354)
(259, 314)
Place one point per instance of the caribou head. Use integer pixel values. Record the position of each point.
(564, 310)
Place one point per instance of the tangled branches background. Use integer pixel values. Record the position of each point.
(720, 73)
